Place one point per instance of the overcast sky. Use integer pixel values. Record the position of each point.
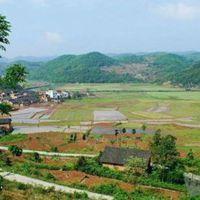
(55, 27)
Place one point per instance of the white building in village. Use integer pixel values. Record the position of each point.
(57, 94)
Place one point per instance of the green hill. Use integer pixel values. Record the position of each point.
(190, 76)
(165, 66)
(85, 68)
(129, 58)
(95, 67)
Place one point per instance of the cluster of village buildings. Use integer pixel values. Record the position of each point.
(28, 97)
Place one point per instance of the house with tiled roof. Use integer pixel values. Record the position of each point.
(117, 157)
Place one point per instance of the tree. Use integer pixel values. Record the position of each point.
(54, 149)
(164, 150)
(116, 132)
(5, 109)
(158, 131)
(133, 131)
(4, 32)
(144, 127)
(75, 137)
(7, 161)
(165, 158)
(124, 130)
(71, 137)
(36, 157)
(84, 137)
(190, 155)
(15, 150)
(15, 75)
(136, 166)
(80, 162)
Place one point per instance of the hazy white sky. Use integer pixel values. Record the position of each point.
(54, 27)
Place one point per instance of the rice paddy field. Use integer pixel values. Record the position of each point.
(173, 110)
(151, 102)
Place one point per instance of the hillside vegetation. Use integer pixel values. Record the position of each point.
(83, 68)
(99, 68)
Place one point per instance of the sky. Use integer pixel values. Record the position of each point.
(56, 27)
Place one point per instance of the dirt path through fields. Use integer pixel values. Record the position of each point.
(36, 182)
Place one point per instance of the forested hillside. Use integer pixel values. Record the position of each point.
(96, 67)
(83, 68)
(190, 76)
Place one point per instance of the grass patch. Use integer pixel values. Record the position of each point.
(13, 138)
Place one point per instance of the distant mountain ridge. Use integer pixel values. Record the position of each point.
(95, 67)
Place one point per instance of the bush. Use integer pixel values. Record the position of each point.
(15, 150)
(49, 176)
(26, 168)
(79, 186)
(45, 166)
(36, 157)
(78, 196)
(91, 166)
(54, 149)
(69, 166)
(108, 189)
(22, 186)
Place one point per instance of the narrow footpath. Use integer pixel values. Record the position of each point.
(45, 153)
(36, 182)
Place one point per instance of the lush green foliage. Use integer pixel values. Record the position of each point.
(136, 166)
(192, 163)
(129, 58)
(15, 150)
(165, 158)
(4, 32)
(190, 76)
(88, 68)
(15, 75)
(91, 166)
(13, 138)
(23, 191)
(84, 68)
(5, 109)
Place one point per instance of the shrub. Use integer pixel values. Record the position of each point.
(124, 130)
(54, 149)
(91, 166)
(69, 166)
(109, 189)
(133, 131)
(26, 168)
(79, 186)
(36, 157)
(22, 186)
(49, 176)
(84, 137)
(78, 196)
(15, 150)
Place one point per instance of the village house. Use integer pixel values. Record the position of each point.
(5, 125)
(57, 95)
(116, 157)
(20, 98)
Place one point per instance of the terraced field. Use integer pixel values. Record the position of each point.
(181, 106)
